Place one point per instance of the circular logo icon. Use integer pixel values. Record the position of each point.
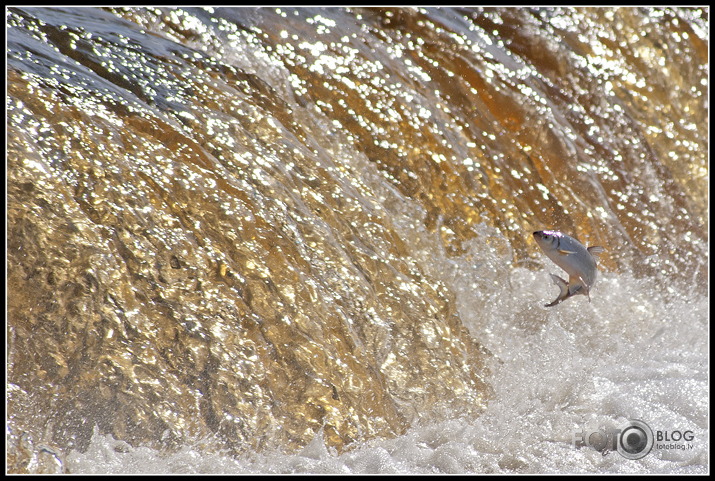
(635, 440)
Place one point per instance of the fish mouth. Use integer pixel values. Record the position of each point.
(541, 234)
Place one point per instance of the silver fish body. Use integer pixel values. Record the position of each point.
(578, 261)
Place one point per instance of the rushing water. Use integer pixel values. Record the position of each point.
(298, 240)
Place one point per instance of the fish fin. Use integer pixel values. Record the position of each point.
(563, 290)
(577, 285)
(595, 251)
(564, 252)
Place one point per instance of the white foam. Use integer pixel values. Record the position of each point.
(629, 354)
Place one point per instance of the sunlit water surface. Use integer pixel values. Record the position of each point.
(299, 240)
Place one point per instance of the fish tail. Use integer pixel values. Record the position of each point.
(563, 288)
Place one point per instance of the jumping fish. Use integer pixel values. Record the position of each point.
(570, 255)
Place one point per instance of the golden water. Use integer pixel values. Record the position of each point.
(226, 226)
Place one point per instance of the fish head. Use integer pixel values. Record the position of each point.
(547, 239)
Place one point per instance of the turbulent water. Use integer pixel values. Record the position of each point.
(299, 240)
